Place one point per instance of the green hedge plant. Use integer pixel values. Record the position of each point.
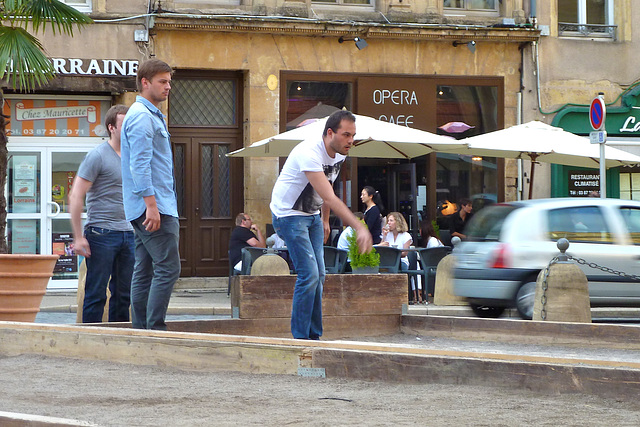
(360, 260)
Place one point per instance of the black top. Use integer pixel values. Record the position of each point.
(238, 240)
(373, 219)
(457, 224)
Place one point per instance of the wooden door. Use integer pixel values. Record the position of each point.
(205, 111)
(209, 190)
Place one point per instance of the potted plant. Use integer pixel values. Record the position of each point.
(24, 66)
(362, 263)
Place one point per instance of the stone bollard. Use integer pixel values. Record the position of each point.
(567, 293)
(270, 264)
(443, 291)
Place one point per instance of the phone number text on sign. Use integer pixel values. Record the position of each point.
(55, 132)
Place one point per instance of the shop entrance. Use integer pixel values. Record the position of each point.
(204, 178)
(402, 193)
(38, 183)
(396, 184)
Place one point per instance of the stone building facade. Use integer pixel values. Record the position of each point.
(246, 70)
(585, 48)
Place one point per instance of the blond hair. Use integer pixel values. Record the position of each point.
(401, 224)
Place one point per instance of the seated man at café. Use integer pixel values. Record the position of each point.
(459, 219)
(246, 233)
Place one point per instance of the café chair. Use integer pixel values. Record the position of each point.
(335, 260)
(429, 258)
(389, 259)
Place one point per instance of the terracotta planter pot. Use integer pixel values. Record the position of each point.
(23, 283)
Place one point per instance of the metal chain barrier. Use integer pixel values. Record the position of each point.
(545, 286)
(605, 269)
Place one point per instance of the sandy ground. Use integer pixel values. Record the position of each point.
(125, 395)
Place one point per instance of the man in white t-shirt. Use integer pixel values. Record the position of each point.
(303, 188)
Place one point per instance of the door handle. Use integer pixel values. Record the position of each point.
(197, 211)
(57, 209)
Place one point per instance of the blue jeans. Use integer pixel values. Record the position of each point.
(304, 236)
(111, 256)
(156, 271)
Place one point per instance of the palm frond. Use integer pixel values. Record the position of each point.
(61, 17)
(22, 59)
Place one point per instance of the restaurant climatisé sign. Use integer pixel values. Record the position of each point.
(583, 183)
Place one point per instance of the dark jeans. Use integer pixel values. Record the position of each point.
(112, 255)
(156, 271)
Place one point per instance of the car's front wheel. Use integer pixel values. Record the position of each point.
(525, 298)
(487, 311)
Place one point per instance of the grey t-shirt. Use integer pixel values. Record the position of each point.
(102, 167)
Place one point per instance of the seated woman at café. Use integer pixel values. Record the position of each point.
(428, 234)
(395, 233)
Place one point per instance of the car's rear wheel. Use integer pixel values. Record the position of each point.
(486, 311)
(525, 298)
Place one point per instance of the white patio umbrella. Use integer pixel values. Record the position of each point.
(374, 139)
(537, 141)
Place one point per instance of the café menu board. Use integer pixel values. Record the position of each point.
(582, 183)
(62, 246)
(24, 184)
(24, 236)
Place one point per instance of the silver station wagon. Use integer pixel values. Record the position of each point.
(508, 244)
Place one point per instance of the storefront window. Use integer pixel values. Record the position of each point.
(630, 186)
(455, 110)
(310, 100)
(464, 111)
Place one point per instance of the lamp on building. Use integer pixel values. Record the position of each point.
(471, 45)
(360, 42)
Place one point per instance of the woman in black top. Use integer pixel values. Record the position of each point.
(372, 212)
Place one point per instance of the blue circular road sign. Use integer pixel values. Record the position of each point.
(597, 113)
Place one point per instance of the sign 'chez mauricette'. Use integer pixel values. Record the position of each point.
(65, 117)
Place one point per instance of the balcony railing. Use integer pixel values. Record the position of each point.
(587, 30)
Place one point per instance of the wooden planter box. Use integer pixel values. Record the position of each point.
(352, 304)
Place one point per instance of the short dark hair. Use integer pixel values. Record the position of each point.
(336, 118)
(112, 115)
(464, 202)
(149, 68)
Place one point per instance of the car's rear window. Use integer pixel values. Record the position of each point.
(487, 223)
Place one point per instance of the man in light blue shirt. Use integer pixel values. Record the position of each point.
(149, 195)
